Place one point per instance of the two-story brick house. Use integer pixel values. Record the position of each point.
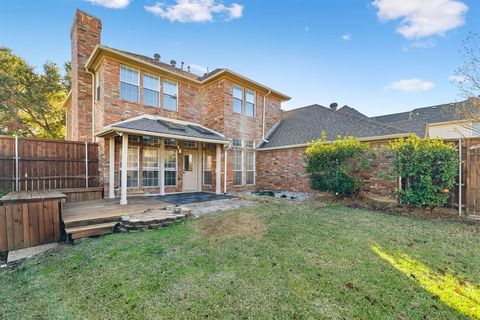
(178, 131)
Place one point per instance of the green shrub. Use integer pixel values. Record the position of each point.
(338, 166)
(427, 167)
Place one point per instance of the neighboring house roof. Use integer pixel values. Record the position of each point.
(164, 127)
(418, 127)
(353, 112)
(434, 114)
(184, 74)
(300, 126)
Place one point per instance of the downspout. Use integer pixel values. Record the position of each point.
(460, 176)
(93, 104)
(264, 112)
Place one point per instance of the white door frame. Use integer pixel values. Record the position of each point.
(193, 172)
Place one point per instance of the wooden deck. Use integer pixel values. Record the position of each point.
(89, 218)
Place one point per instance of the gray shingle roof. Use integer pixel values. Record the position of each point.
(353, 112)
(302, 125)
(167, 127)
(418, 127)
(434, 114)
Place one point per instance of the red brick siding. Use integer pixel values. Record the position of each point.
(284, 170)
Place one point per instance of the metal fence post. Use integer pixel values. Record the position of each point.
(86, 164)
(460, 176)
(16, 165)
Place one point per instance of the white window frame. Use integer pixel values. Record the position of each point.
(241, 166)
(171, 169)
(243, 106)
(163, 95)
(97, 85)
(254, 102)
(132, 168)
(205, 168)
(133, 84)
(143, 88)
(151, 168)
(252, 151)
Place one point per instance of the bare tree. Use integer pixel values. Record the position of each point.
(467, 79)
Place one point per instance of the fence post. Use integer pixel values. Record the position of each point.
(460, 176)
(86, 164)
(16, 165)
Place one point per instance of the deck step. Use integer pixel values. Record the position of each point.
(90, 230)
(76, 222)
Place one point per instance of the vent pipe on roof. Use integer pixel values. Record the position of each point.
(173, 63)
(182, 64)
(334, 106)
(156, 56)
(188, 68)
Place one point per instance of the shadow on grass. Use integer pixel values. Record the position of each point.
(457, 294)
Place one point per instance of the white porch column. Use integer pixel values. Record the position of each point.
(111, 170)
(218, 170)
(162, 167)
(123, 185)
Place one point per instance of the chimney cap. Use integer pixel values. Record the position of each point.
(173, 63)
(334, 106)
(157, 56)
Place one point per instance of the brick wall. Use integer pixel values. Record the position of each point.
(284, 170)
(85, 35)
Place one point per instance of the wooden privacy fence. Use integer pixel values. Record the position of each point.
(39, 164)
(469, 177)
(29, 219)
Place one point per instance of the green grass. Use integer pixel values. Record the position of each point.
(279, 260)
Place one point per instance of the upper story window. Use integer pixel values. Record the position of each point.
(129, 84)
(243, 100)
(151, 90)
(97, 85)
(170, 94)
(237, 98)
(250, 102)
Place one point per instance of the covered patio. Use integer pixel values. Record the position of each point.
(163, 156)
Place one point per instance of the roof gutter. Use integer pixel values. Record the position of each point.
(366, 139)
(109, 131)
(98, 48)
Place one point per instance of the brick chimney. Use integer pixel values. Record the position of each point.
(84, 35)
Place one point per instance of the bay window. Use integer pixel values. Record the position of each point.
(132, 167)
(237, 167)
(250, 166)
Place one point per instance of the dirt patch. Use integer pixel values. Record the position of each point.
(231, 225)
(397, 209)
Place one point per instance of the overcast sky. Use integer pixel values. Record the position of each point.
(378, 56)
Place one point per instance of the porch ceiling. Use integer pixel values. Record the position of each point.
(163, 127)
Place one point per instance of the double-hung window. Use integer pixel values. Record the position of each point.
(237, 98)
(170, 167)
(132, 167)
(237, 162)
(207, 168)
(150, 167)
(243, 100)
(250, 162)
(97, 85)
(170, 94)
(250, 102)
(151, 90)
(128, 84)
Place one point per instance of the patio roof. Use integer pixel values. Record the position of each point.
(163, 127)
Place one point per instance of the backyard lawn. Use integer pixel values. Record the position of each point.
(280, 259)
